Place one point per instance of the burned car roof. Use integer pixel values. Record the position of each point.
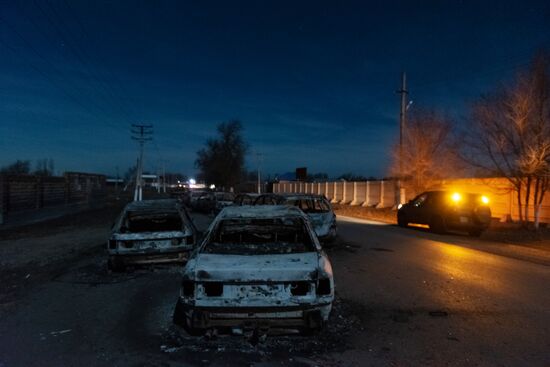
(262, 211)
(153, 205)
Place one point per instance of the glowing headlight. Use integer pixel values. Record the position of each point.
(399, 206)
(485, 200)
(456, 197)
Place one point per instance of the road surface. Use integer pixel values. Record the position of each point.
(405, 297)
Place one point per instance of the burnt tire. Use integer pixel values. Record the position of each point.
(311, 330)
(330, 239)
(437, 225)
(180, 319)
(314, 324)
(402, 220)
(475, 232)
(115, 265)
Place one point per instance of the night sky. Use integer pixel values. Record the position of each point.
(313, 83)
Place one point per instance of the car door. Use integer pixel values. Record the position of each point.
(417, 209)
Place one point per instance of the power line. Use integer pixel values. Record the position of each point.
(63, 90)
(73, 50)
(86, 34)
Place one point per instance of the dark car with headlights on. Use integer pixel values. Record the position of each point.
(447, 210)
(151, 231)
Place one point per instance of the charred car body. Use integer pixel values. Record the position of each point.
(316, 207)
(447, 210)
(223, 199)
(258, 267)
(245, 199)
(151, 231)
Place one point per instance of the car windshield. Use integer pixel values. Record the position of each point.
(224, 196)
(136, 222)
(254, 236)
(309, 205)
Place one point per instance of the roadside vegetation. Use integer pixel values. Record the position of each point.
(506, 134)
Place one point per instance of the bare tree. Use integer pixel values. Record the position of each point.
(44, 167)
(509, 136)
(19, 167)
(429, 151)
(221, 162)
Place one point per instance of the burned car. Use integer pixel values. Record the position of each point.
(319, 211)
(205, 202)
(245, 199)
(259, 267)
(223, 199)
(317, 208)
(151, 231)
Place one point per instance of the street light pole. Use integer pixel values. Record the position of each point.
(403, 91)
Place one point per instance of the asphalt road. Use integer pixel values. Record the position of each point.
(405, 298)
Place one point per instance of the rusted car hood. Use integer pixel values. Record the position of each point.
(257, 268)
(148, 235)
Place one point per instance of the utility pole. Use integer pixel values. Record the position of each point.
(404, 93)
(259, 157)
(158, 180)
(116, 183)
(141, 133)
(164, 176)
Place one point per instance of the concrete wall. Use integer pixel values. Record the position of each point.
(21, 194)
(382, 194)
(371, 193)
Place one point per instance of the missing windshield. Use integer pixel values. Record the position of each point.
(260, 236)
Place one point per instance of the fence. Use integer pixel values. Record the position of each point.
(383, 193)
(24, 195)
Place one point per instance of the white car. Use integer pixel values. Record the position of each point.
(257, 267)
(319, 211)
(317, 208)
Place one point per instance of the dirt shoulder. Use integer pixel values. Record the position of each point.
(507, 237)
(33, 253)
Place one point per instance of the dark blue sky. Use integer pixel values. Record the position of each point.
(313, 83)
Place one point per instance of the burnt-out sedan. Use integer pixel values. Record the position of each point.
(151, 231)
(259, 267)
(316, 207)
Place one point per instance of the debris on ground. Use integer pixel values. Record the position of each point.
(276, 342)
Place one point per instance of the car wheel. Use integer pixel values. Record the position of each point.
(179, 315)
(331, 234)
(180, 319)
(475, 232)
(115, 265)
(402, 220)
(437, 225)
(311, 330)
